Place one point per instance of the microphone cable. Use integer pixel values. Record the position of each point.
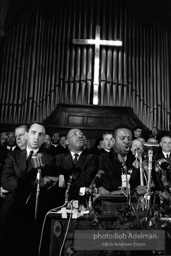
(54, 210)
(66, 232)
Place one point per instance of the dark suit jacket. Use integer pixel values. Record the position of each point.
(18, 178)
(157, 176)
(160, 155)
(84, 170)
(58, 150)
(111, 165)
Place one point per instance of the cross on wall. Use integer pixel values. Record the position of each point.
(97, 42)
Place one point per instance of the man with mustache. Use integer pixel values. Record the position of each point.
(77, 165)
(117, 162)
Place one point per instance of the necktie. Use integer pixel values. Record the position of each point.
(10, 148)
(30, 156)
(167, 155)
(75, 159)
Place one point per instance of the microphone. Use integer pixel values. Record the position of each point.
(68, 188)
(37, 161)
(70, 180)
(151, 144)
(166, 219)
(138, 152)
(150, 159)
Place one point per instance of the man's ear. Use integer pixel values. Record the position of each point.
(67, 142)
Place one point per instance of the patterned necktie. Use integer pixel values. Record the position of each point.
(75, 159)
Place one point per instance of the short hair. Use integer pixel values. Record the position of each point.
(120, 127)
(165, 136)
(137, 127)
(22, 126)
(36, 122)
(111, 133)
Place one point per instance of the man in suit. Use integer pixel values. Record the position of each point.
(11, 141)
(76, 165)
(107, 142)
(19, 177)
(155, 133)
(165, 148)
(57, 148)
(20, 136)
(118, 162)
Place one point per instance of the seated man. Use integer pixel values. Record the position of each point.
(75, 166)
(118, 162)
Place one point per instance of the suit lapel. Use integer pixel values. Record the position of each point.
(81, 160)
(22, 160)
(68, 161)
(116, 165)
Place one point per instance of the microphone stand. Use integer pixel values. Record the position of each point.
(67, 191)
(147, 196)
(37, 161)
(141, 171)
(125, 172)
(37, 192)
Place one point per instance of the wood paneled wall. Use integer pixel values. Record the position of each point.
(42, 68)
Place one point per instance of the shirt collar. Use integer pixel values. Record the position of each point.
(8, 147)
(166, 154)
(28, 151)
(55, 145)
(73, 153)
(107, 150)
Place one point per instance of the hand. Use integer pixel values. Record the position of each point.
(45, 181)
(102, 191)
(48, 181)
(99, 191)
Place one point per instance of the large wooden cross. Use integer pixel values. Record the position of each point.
(97, 42)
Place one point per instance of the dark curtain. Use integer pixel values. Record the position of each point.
(41, 67)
